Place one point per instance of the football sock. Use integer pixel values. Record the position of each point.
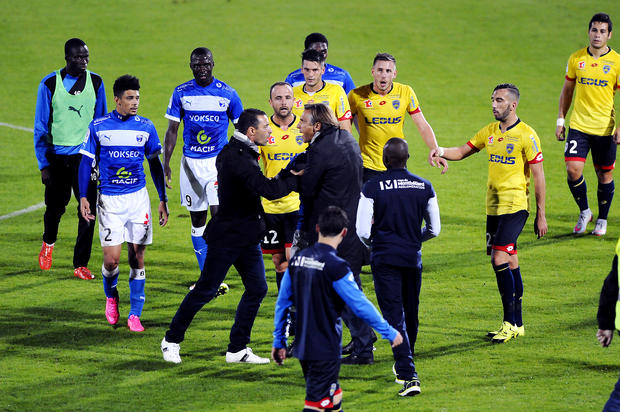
(109, 282)
(279, 276)
(516, 274)
(604, 194)
(136, 291)
(506, 286)
(200, 245)
(579, 189)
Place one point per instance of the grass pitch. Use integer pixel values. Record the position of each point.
(57, 351)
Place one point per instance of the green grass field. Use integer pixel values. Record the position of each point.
(57, 351)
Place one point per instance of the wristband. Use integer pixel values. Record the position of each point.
(440, 151)
(560, 122)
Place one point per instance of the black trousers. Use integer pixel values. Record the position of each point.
(398, 295)
(63, 180)
(248, 261)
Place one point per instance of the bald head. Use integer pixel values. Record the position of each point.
(395, 153)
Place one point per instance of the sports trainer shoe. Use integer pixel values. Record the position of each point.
(410, 388)
(134, 324)
(170, 351)
(397, 378)
(83, 273)
(507, 332)
(222, 290)
(45, 256)
(111, 310)
(245, 356)
(520, 331)
(601, 227)
(585, 217)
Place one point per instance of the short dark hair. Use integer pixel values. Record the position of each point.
(384, 57)
(315, 38)
(512, 89)
(312, 55)
(75, 42)
(332, 220)
(200, 51)
(249, 118)
(601, 18)
(276, 84)
(125, 82)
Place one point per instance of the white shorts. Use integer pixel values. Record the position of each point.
(198, 183)
(125, 218)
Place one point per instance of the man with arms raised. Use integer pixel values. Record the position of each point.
(594, 72)
(514, 152)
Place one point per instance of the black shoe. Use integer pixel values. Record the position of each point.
(356, 360)
(348, 348)
(410, 388)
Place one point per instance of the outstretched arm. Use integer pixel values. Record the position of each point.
(428, 135)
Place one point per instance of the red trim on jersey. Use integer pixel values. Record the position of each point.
(272, 251)
(346, 116)
(612, 167)
(470, 144)
(287, 245)
(537, 159)
(324, 403)
(568, 78)
(574, 159)
(509, 248)
(417, 110)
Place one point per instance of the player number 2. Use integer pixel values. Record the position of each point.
(107, 237)
(274, 237)
(573, 148)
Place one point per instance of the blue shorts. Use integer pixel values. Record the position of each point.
(578, 144)
(321, 382)
(503, 231)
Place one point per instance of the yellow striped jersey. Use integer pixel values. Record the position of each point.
(330, 94)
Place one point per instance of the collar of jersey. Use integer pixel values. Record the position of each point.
(120, 117)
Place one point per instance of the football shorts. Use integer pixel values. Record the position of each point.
(125, 218)
(280, 231)
(503, 231)
(321, 382)
(578, 144)
(198, 183)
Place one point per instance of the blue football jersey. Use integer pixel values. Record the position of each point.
(333, 74)
(119, 145)
(205, 112)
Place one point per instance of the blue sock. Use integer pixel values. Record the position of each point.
(605, 193)
(516, 274)
(506, 286)
(579, 189)
(109, 282)
(200, 245)
(136, 291)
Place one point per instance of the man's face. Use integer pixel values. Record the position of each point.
(306, 127)
(503, 104)
(202, 67)
(313, 72)
(384, 72)
(262, 132)
(599, 34)
(77, 59)
(128, 103)
(321, 48)
(282, 100)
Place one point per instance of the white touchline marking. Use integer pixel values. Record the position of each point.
(12, 126)
(23, 211)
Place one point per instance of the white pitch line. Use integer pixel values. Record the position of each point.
(23, 211)
(12, 126)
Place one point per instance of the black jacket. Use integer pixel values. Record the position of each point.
(239, 221)
(609, 296)
(332, 177)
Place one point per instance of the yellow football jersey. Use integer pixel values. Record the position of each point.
(596, 83)
(330, 94)
(281, 148)
(509, 156)
(380, 118)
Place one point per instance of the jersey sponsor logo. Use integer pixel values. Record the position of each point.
(281, 156)
(285, 137)
(383, 120)
(299, 139)
(202, 137)
(124, 154)
(396, 104)
(325, 402)
(490, 139)
(368, 103)
(218, 85)
(539, 157)
(592, 82)
(509, 148)
(501, 139)
(506, 160)
(581, 64)
(382, 102)
(299, 103)
(271, 140)
(202, 149)
(204, 118)
(308, 262)
(73, 109)
(594, 65)
(123, 177)
(606, 68)
(400, 184)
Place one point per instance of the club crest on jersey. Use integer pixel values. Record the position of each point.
(490, 139)
(582, 64)
(509, 148)
(139, 138)
(368, 103)
(606, 68)
(218, 85)
(396, 104)
(223, 104)
(299, 139)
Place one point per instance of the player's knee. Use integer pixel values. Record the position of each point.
(499, 258)
(574, 171)
(604, 176)
(199, 218)
(110, 263)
